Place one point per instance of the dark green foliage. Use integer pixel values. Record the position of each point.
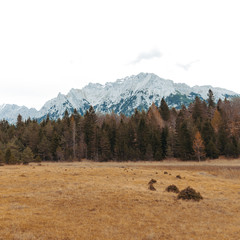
(181, 99)
(157, 145)
(189, 194)
(164, 110)
(210, 100)
(185, 142)
(198, 112)
(164, 141)
(231, 148)
(8, 155)
(209, 139)
(211, 150)
(155, 135)
(90, 119)
(27, 156)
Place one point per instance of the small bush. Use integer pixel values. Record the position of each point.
(151, 187)
(172, 188)
(178, 176)
(152, 181)
(189, 194)
(165, 172)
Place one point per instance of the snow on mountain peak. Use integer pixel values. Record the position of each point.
(122, 96)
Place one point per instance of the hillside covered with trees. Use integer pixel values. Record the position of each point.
(203, 130)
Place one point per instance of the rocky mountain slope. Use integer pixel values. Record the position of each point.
(122, 96)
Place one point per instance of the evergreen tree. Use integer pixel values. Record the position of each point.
(2, 160)
(209, 139)
(121, 147)
(185, 142)
(8, 155)
(164, 110)
(164, 141)
(142, 137)
(27, 156)
(222, 137)
(89, 132)
(210, 99)
(197, 112)
(157, 144)
(105, 147)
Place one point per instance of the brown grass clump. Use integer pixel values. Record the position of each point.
(152, 181)
(151, 187)
(172, 188)
(189, 194)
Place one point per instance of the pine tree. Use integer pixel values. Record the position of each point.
(164, 141)
(121, 147)
(73, 126)
(222, 137)
(185, 142)
(210, 99)
(27, 156)
(209, 139)
(105, 146)
(8, 155)
(142, 137)
(197, 112)
(1, 158)
(44, 148)
(89, 132)
(164, 110)
(157, 144)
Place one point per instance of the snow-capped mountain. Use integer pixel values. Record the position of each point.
(122, 96)
(10, 112)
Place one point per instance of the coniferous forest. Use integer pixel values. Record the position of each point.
(204, 130)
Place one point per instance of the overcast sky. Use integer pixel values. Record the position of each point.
(51, 46)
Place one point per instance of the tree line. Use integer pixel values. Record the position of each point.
(203, 130)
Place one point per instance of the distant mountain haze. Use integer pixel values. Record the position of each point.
(122, 96)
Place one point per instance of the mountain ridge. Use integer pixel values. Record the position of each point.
(122, 96)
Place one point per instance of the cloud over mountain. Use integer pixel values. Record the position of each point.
(154, 53)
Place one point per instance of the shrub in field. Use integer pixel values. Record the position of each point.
(150, 183)
(172, 188)
(189, 194)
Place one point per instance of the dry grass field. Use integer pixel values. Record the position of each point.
(84, 200)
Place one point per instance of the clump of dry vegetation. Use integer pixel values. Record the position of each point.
(189, 194)
(172, 188)
(150, 184)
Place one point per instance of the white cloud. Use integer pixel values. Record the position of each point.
(52, 46)
(154, 53)
(187, 66)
